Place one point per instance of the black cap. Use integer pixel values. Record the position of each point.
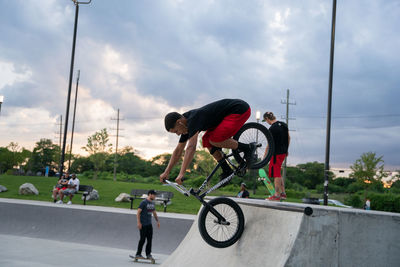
(151, 192)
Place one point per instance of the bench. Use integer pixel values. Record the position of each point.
(86, 190)
(163, 197)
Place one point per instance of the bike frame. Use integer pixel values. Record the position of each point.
(200, 197)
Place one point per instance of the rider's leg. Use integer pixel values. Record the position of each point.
(217, 154)
(275, 166)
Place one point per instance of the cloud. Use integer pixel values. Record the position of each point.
(147, 59)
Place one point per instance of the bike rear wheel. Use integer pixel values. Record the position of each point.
(255, 132)
(221, 234)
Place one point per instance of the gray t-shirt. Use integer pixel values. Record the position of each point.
(147, 208)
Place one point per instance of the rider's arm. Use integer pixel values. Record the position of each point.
(139, 224)
(189, 154)
(176, 155)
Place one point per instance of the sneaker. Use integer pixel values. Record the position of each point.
(69, 202)
(250, 156)
(150, 257)
(274, 198)
(283, 195)
(60, 202)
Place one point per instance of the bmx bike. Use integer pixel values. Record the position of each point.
(221, 221)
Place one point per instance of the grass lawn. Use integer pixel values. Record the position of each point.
(108, 191)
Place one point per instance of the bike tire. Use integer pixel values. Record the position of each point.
(216, 234)
(255, 132)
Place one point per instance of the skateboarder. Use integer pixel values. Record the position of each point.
(280, 133)
(146, 208)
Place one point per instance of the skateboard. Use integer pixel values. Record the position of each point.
(136, 259)
(264, 177)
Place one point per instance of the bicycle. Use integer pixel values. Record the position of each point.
(221, 221)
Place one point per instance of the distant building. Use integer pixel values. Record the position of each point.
(341, 172)
(391, 177)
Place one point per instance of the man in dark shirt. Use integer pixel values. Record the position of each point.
(220, 120)
(280, 134)
(243, 193)
(144, 212)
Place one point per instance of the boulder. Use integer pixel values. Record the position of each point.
(3, 188)
(28, 189)
(94, 195)
(123, 197)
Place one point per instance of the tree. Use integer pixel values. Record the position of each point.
(98, 148)
(313, 174)
(45, 153)
(5, 159)
(19, 155)
(368, 169)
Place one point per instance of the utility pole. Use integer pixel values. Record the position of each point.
(287, 102)
(71, 71)
(116, 147)
(73, 121)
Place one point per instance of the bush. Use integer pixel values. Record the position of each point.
(385, 202)
(343, 182)
(355, 187)
(354, 200)
(295, 194)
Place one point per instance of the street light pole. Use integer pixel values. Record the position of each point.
(1, 101)
(71, 71)
(328, 125)
(258, 116)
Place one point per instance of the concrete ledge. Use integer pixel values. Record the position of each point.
(275, 236)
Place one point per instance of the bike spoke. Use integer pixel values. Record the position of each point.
(221, 232)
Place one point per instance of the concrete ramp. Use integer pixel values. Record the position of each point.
(280, 234)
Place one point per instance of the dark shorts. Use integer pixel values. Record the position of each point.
(229, 126)
(275, 165)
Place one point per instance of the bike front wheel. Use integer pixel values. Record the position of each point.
(221, 234)
(258, 133)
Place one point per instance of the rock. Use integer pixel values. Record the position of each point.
(3, 189)
(94, 195)
(28, 189)
(123, 197)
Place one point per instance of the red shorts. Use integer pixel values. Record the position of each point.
(275, 165)
(229, 126)
(58, 189)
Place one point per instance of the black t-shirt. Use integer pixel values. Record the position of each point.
(280, 133)
(147, 210)
(243, 194)
(211, 115)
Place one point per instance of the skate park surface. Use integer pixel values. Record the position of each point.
(37, 233)
(276, 234)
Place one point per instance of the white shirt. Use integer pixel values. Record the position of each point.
(74, 182)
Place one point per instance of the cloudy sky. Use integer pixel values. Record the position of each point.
(147, 58)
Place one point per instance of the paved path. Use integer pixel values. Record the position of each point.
(36, 233)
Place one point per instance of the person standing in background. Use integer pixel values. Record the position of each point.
(280, 134)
